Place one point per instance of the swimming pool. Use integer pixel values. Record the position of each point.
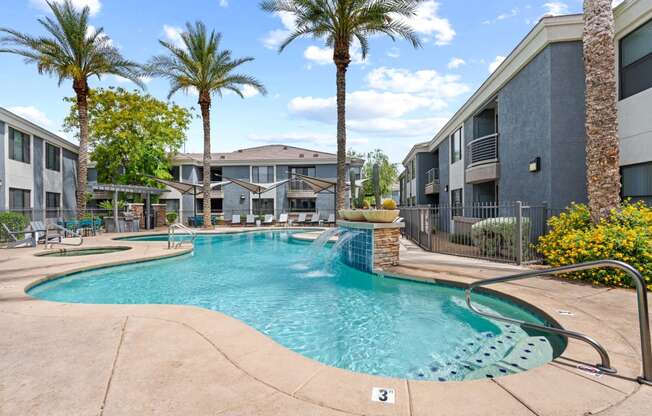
(312, 303)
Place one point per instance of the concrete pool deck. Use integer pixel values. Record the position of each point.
(73, 359)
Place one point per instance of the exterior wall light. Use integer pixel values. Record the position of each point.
(535, 165)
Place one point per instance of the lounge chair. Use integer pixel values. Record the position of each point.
(27, 240)
(269, 220)
(331, 220)
(235, 220)
(251, 220)
(314, 220)
(40, 232)
(283, 220)
(301, 219)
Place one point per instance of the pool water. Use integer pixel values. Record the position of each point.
(310, 302)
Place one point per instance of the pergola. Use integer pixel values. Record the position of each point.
(129, 189)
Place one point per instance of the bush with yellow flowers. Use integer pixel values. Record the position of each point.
(625, 235)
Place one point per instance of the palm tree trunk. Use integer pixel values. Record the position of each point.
(602, 146)
(81, 90)
(342, 59)
(205, 104)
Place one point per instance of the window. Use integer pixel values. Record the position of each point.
(262, 174)
(19, 199)
(175, 172)
(216, 174)
(637, 182)
(18, 146)
(302, 204)
(52, 157)
(263, 206)
(52, 204)
(456, 146)
(456, 203)
(297, 184)
(636, 61)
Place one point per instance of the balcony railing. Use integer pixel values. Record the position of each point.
(297, 185)
(432, 181)
(484, 149)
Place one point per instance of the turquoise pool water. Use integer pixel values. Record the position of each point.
(323, 309)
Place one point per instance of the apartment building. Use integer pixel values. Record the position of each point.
(264, 165)
(521, 135)
(38, 169)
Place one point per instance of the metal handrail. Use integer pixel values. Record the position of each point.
(605, 365)
(51, 243)
(171, 234)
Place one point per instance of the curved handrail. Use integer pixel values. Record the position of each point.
(171, 234)
(51, 243)
(643, 314)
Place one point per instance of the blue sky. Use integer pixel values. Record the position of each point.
(397, 97)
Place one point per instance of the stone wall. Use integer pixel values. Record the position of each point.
(159, 214)
(386, 247)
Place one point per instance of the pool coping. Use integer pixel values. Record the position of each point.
(331, 387)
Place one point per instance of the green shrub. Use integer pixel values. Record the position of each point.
(498, 236)
(14, 221)
(171, 217)
(462, 239)
(625, 235)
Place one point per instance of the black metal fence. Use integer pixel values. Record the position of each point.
(499, 232)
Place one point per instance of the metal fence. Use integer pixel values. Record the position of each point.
(499, 232)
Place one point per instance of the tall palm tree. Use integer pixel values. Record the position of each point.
(72, 50)
(340, 22)
(602, 146)
(201, 65)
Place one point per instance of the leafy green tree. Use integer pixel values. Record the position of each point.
(340, 22)
(72, 51)
(388, 172)
(202, 66)
(131, 134)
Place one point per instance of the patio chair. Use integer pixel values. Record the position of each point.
(235, 220)
(314, 220)
(283, 220)
(251, 220)
(269, 219)
(331, 220)
(26, 241)
(301, 219)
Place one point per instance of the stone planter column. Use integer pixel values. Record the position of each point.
(371, 247)
(159, 214)
(139, 212)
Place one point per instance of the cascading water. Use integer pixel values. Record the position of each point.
(319, 243)
(337, 248)
(319, 260)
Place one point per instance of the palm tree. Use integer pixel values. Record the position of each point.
(340, 22)
(72, 51)
(602, 146)
(202, 66)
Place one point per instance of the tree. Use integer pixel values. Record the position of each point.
(201, 65)
(388, 172)
(340, 22)
(72, 51)
(602, 146)
(131, 134)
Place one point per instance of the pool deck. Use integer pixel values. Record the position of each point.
(73, 359)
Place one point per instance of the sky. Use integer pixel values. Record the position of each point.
(396, 97)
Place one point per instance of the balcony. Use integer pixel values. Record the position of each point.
(299, 189)
(432, 182)
(483, 155)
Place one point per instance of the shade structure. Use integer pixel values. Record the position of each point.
(316, 184)
(129, 189)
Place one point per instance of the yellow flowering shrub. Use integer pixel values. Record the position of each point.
(626, 235)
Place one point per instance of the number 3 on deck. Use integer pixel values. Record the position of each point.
(383, 395)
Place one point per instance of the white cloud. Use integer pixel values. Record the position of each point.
(416, 127)
(122, 80)
(555, 8)
(324, 56)
(427, 22)
(313, 140)
(173, 35)
(248, 91)
(224, 3)
(423, 82)
(394, 52)
(496, 63)
(456, 63)
(90, 30)
(93, 5)
(503, 16)
(275, 38)
(33, 114)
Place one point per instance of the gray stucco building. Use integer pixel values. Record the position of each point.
(521, 135)
(264, 165)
